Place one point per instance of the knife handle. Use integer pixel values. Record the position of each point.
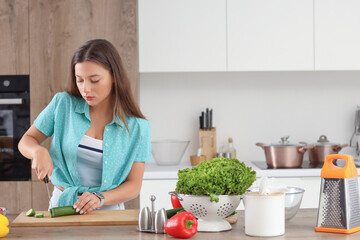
(46, 179)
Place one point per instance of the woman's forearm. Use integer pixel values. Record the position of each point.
(125, 192)
(130, 189)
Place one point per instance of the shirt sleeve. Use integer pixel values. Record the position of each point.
(144, 150)
(46, 120)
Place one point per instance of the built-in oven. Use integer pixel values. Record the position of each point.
(14, 122)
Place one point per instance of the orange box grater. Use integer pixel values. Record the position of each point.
(339, 206)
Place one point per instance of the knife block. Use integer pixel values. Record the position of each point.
(207, 142)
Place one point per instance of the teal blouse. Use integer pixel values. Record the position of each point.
(67, 119)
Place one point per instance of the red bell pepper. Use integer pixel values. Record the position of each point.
(175, 202)
(182, 225)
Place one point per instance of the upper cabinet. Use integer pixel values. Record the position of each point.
(182, 35)
(14, 39)
(337, 35)
(270, 35)
(249, 35)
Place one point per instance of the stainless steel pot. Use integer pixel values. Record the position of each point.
(284, 154)
(322, 148)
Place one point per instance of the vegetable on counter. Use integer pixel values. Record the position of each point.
(174, 211)
(30, 213)
(182, 225)
(219, 176)
(4, 223)
(175, 202)
(62, 211)
(39, 215)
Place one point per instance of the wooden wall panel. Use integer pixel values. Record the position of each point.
(58, 28)
(16, 196)
(14, 37)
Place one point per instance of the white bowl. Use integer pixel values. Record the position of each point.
(3, 210)
(168, 152)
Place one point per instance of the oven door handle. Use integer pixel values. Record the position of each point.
(13, 101)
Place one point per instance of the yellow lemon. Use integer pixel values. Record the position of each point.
(3, 221)
(3, 231)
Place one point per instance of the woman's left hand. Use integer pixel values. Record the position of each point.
(87, 203)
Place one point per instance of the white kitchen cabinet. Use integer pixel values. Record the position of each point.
(337, 34)
(270, 35)
(182, 35)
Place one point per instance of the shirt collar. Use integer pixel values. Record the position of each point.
(83, 108)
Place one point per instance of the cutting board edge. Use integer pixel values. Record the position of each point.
(17, 222)
(66, 224)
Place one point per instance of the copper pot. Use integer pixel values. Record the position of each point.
(284, 154)
(322, 148)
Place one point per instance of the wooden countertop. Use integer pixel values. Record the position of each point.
(300, 227)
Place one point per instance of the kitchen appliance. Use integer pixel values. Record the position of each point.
(210, 214)
(322, 148)
(284, 154)
(14, 122)
(168, 152)
(339, 205)
(355, 138)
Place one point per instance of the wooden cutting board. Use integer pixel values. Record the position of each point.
(99, 217)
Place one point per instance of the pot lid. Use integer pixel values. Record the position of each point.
(323, 141)
(284, 142)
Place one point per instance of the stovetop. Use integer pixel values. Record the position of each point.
(305, 165)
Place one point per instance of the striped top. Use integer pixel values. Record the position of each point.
(89, 161)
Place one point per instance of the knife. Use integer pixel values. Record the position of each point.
(211, 113)
(46, 180)
(207, 122)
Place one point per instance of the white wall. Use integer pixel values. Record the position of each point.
(251, 107)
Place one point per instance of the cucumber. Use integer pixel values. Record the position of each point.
(172, 212)
(30, 213)
(62, 211)
(39, 215)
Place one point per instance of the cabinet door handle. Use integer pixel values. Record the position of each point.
(13, 101)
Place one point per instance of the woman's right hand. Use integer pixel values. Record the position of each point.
(42, 163)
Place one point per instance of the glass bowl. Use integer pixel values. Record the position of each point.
(3, 211)
(168, 152)
(293, 198)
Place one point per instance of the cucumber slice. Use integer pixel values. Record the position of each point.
(39, 215)
(62, 211)
(30, 213)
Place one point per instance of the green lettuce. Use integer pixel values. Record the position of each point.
(219, 176)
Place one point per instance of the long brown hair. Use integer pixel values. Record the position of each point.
(103, 52)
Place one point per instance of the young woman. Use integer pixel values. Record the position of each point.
(100, 139)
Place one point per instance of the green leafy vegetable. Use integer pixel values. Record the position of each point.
(219, 176)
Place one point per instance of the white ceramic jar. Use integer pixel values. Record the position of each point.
(264, 214)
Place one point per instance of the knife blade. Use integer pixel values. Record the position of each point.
(46, 180)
